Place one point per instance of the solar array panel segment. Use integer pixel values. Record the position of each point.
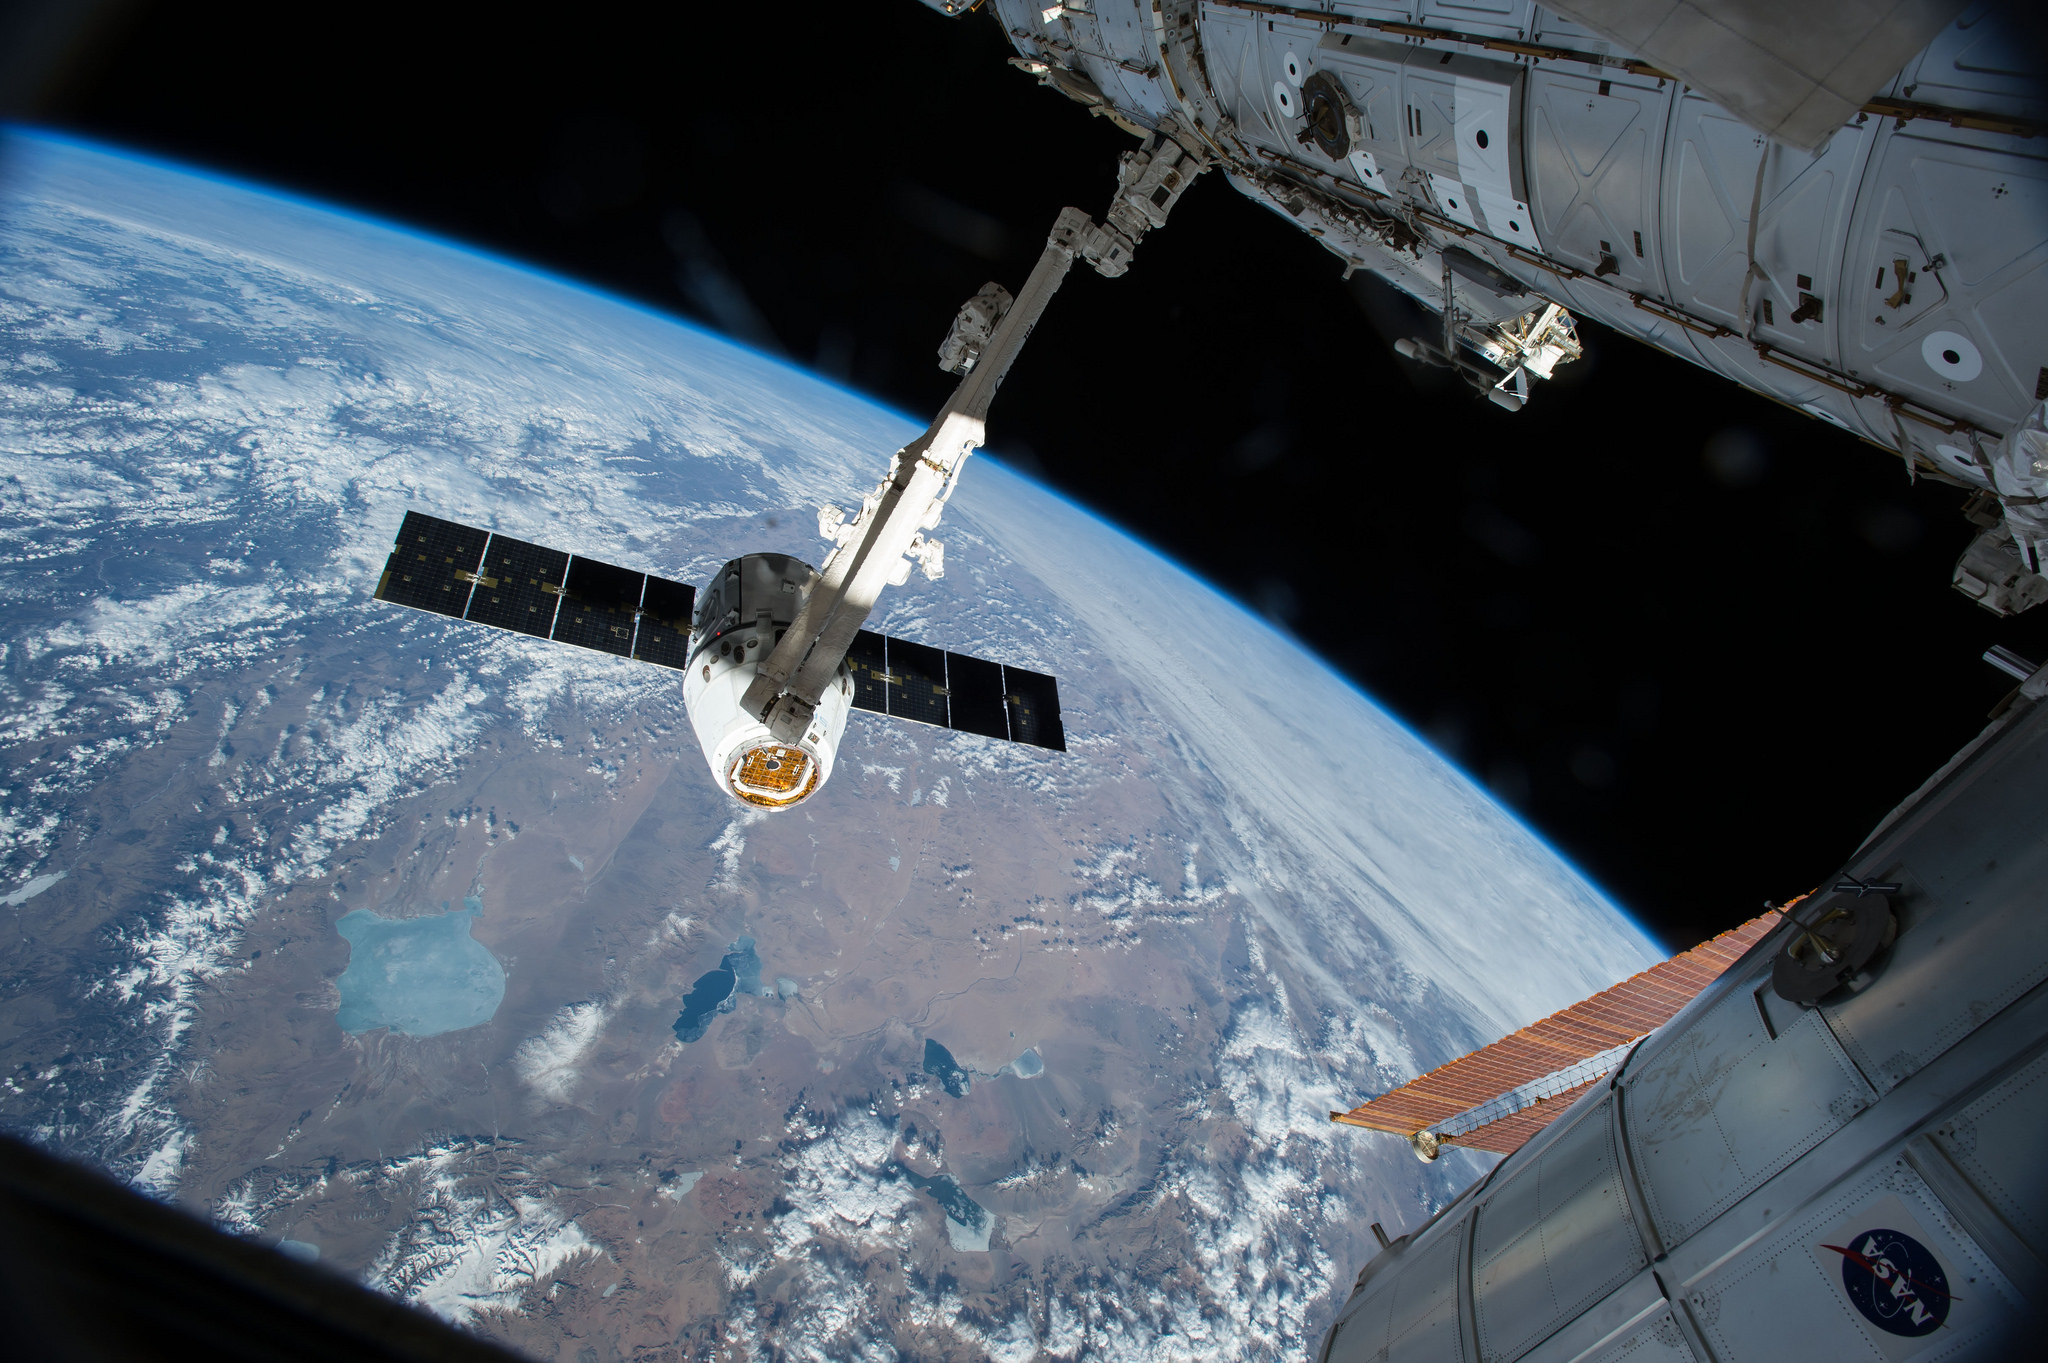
(868, 660)
(1034, 703)
(664, 635)
(974, 696)
(599, 604)
(955, 691)
(1512, 1132)
(432, 564)
(518, 587)
(1600, 1023)
(917, 683)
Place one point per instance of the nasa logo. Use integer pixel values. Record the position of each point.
(1895, 1281)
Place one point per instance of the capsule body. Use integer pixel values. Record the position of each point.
(741, 614)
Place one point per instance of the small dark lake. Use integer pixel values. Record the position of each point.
(939, 1063)
(969, 1216)
(715, 991)
(708, 997)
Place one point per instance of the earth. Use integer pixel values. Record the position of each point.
(432, 953)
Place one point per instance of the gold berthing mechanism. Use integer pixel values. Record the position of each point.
(773, 775)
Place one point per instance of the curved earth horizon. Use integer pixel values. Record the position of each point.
(1152, 965)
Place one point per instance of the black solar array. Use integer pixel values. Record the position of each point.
(903, 680)
(496, 580)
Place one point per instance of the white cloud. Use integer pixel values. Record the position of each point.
(176, 632)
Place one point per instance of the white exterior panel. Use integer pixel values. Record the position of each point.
(1553, 1239)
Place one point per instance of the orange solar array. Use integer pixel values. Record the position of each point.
(1610, 1018)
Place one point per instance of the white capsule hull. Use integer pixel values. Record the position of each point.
(740, 617)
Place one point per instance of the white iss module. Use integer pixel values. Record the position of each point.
(1819, 1137)
(1840, 204)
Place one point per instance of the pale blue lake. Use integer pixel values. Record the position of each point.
(420, 976)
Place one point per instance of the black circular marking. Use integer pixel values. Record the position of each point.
(1481, 138)
(1895, 1281)
(1951, 357)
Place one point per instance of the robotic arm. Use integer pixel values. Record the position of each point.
(876, 548)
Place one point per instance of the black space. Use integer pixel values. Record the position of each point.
(1701, 642)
